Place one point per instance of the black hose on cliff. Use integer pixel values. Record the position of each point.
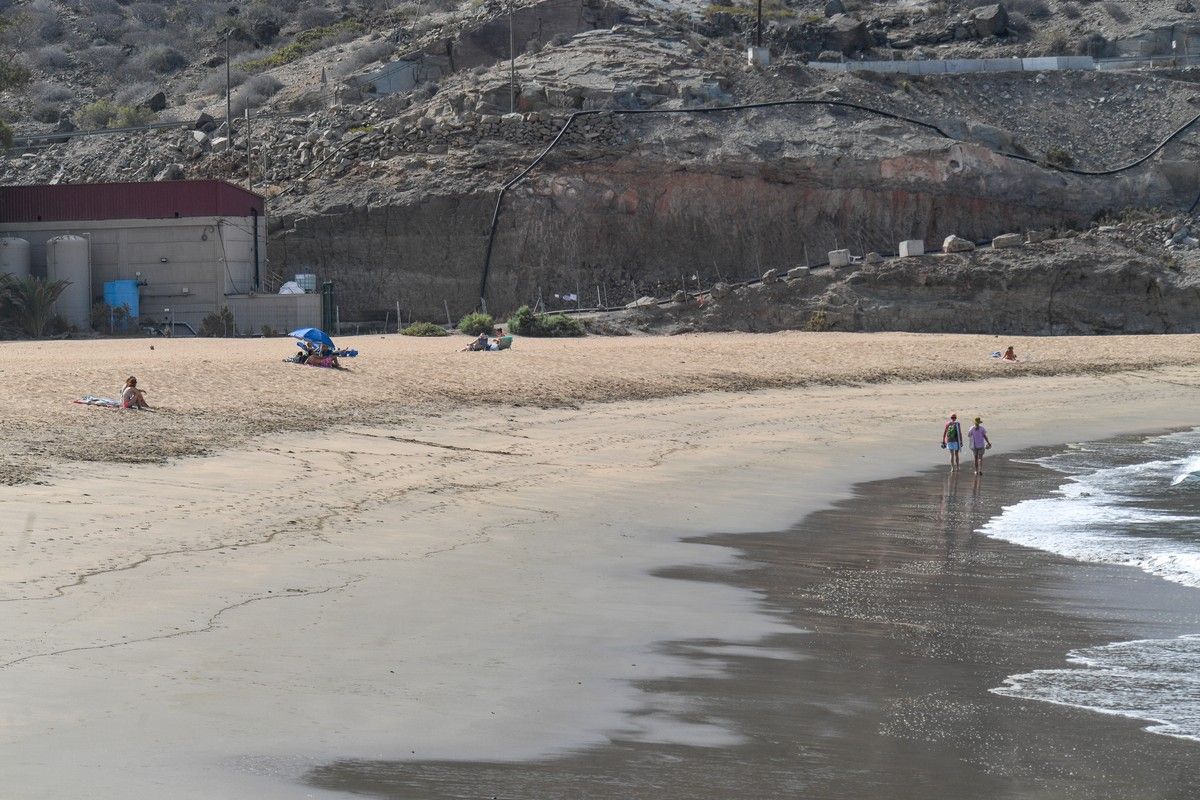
(487, 259)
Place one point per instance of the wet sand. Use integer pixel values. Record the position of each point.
(903, 618)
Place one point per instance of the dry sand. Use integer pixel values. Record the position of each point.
(451, 581)
(213, 393)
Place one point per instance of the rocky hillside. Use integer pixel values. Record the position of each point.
(1132, 276)
(381, 132)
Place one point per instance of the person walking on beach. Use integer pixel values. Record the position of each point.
(978, 437)
(952, 439)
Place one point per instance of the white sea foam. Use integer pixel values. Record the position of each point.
(1157, 680)
(1191, 467)
(1128, 503)
(1097, 517)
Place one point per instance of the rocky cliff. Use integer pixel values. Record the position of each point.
(1115, 279)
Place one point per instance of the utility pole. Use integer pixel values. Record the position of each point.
(249, 181)
(758, 31)
(228, 115)
(512, 60)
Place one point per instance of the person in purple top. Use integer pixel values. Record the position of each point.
(979, 440)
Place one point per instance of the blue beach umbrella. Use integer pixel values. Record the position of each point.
(314, 335)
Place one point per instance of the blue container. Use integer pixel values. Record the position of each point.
(123, 293)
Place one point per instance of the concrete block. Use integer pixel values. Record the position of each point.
(912, 247)
(839, 258)
(1008, 240)
(759, 57)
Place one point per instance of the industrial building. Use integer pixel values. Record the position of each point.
(174, 251)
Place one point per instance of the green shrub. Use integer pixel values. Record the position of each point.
(1059, 157)
(28, 303)
(218, 324)
(109, 318)
(424, 329)
(12, 75)
(106, 114)
(475, 323)
(304, 43)
(527, 323)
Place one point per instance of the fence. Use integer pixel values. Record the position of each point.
(966, 66)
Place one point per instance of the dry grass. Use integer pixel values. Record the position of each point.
(218, 393)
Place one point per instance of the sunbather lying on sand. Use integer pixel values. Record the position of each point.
(132, 396)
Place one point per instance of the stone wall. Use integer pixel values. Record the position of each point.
(632, 227)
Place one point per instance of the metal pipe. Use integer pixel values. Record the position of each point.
(254, 225)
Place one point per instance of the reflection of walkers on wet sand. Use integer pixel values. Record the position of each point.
(979, 440)
(952, 439)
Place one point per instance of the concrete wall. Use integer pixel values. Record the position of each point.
(954, 66)
(280, 312)
(189, 265)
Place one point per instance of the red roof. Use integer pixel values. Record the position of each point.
(80, 202)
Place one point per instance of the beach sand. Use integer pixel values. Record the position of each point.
(213, 392)
(410, 567)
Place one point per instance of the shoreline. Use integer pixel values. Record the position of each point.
(902, 624)
(491, 577)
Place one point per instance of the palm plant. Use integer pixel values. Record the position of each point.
(29, 302)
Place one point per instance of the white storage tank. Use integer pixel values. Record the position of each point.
(67, 259)
(14, 257)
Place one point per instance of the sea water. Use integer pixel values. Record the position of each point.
(1135, 503)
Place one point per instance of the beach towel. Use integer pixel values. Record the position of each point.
(103, 402)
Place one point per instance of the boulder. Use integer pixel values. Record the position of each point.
(156, 102)
(644, 301)
(797, 272)
(680, 296)
(957, 244)
(872, 258)
(912, 247)
(771, 276)
(1008, 240)
(990, 20)
(720, 291)
(1033, 237)
(834, 7)
(220, 144)
(845, 34)
(205, 123)
(171, 172)
(200, 137)
(839, 258)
